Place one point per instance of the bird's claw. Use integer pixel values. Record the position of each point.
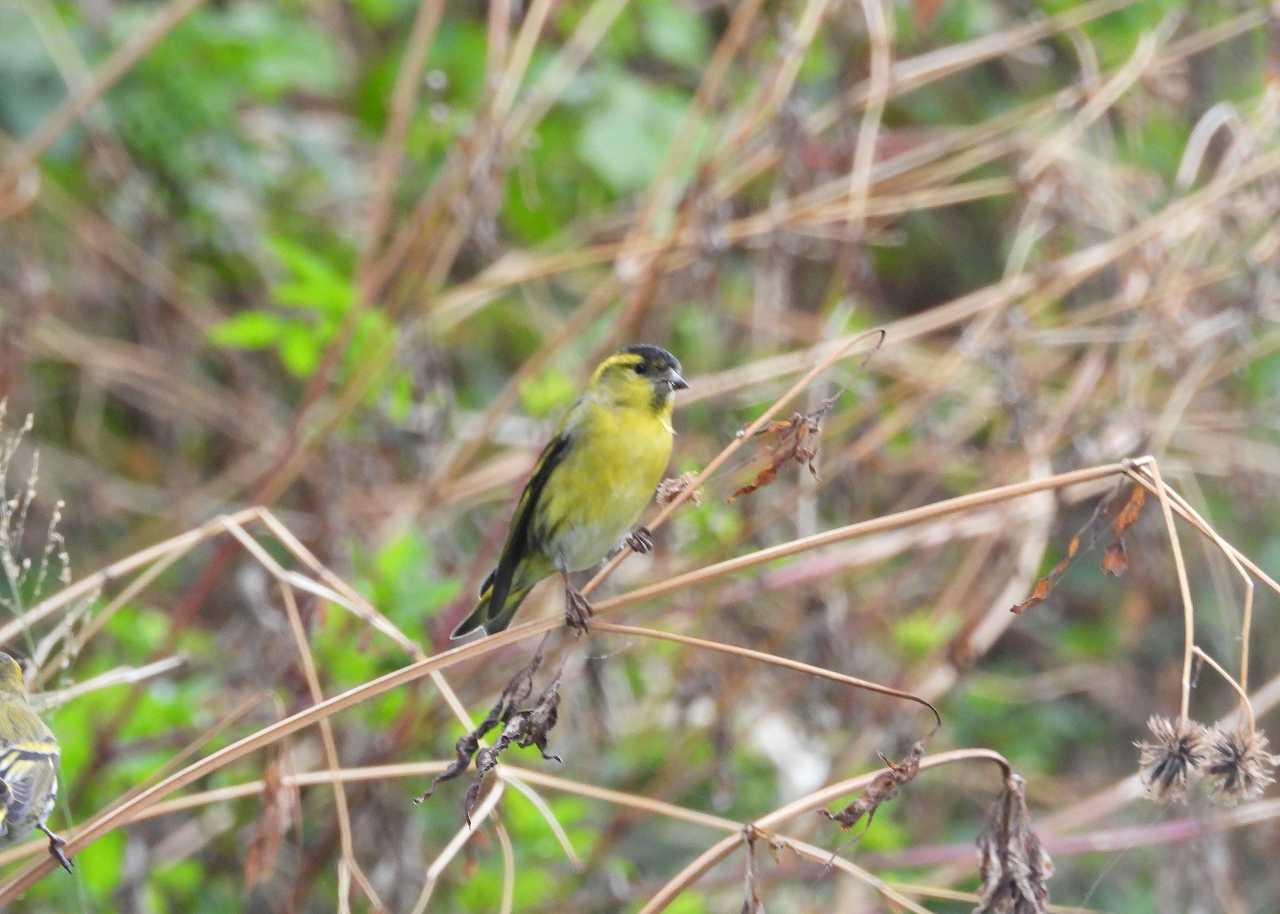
(55, 849)
(641, 540)
(577, 611)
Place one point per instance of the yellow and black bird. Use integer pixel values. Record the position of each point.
(589, 486)
(28, 764)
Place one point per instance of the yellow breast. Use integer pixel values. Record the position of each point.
(598, 492)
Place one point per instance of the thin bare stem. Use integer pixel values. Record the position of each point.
(508, 867)
(1188, 613)
(1233, 555)
(125, 675)
(1230, 680)
(879, 28)
(107, 75)
(403, 99)
(772, 659)
(812, 801)
(329, 743)
(456, 844)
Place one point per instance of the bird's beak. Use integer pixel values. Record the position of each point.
(676, 382)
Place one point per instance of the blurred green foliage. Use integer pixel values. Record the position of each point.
(237, 155)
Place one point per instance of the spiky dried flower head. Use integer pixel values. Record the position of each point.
(1166, 764)
(670, 488)
(1014, 866)
(1238, 765)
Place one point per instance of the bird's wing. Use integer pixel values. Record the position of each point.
(28, 773)
(517, 545)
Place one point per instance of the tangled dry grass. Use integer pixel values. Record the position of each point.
(1125, 322)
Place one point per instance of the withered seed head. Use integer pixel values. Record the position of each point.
(1013, 864)
(1238, 764)
(1165, 764)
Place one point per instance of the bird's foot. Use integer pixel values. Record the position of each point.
(641, 540)
(55, 849)
(577, 611)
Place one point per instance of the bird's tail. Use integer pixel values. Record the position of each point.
(489, 619)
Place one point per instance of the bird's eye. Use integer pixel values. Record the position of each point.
(642, 368)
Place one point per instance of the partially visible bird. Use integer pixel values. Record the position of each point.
(28, 764)
(589, 486)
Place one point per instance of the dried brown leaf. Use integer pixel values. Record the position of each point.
(1115, 561)
(786, 441)
(882, 789)
(1130, 512)
(525, 728)
(515, 693)
(1046, 584)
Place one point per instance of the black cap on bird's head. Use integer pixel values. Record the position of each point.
(658, 364)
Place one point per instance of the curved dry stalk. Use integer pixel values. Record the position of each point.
(123, 675)
(1101, 100)
(456, 844)
(330, 748)
(1188, 612)
(508, 868)
(1233, 555)
(724, 848)
(182, 543)
(548, 815)
(880, 30)
(840, 534)
(772, 659)
(1235, 686)
(589, 791)
(391, 150)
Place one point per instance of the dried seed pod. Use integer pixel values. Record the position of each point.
(1238, 764)
(670, 488)
(1014, 865)
(1166, 764)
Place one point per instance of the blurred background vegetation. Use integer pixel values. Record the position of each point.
(350, 259)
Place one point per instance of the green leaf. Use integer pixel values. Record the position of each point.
(625, 139)
(299, 349)
(247, 330)
(676, 33)
(315, 285)
(920, 633)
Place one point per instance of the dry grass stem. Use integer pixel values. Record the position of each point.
(773, 660)
(105, 76)
(1245, 707)
(330, 747)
